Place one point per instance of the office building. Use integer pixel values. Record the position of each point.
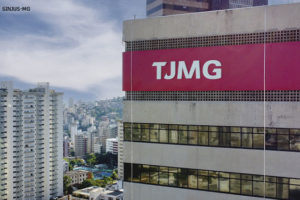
(211, 107)
(172, 7)
(31, 143)
(112, 145)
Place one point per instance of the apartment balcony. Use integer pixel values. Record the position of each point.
(28, 141)
(30, 156)
(28, 137)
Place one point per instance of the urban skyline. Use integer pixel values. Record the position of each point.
(189, 105)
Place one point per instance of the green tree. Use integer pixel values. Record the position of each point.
(67, 184)
(91, 159)
(87, 183)
(114, 175)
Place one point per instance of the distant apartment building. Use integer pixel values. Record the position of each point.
(113, 131)
(103, 131)
(31, 143)
(80, 146)
(97, 145)
(97, 148)
(73, 132)
(120, 150)
(112, 145)
(212, 105)
(90, 143)
(77, 176)
(65, 166)
(172, 7)
(66, 146)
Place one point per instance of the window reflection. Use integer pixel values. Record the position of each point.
(182, 178)
(163, 136)
(238, 137)
(245, 184)
(213, 181)
(224, 139)
(145, 135)
(153, 135)
(145, 174)
(247, 140)
(193, 137)
(163, 176)
(213, 138)
(173, 136)
(182, 137)
(203, 138)
(235, 139)
(153, 174)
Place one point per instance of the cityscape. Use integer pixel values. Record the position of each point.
(150, 99)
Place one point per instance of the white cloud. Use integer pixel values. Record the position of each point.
(84, 51)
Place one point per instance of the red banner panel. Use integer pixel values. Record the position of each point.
(219, 68)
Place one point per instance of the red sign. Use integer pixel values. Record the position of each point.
(235, 67)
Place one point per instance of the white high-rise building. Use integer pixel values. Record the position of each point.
(31, 143)
(112, 145)
(73, 132)
(103, 133)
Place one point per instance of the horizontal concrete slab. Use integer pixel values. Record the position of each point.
(225, 113)
(212, 158)
(136, 191)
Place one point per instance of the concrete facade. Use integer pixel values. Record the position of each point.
(275, 114)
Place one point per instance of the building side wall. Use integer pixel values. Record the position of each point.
(278, 114)
(213, 158)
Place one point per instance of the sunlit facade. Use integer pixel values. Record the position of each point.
(31, 143)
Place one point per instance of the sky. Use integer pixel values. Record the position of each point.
(75, 45)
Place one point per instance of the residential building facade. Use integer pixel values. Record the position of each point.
(112, 145)
(31, 143)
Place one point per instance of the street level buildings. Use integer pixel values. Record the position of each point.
(31, 143)
(77, 176)
(211, 106)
